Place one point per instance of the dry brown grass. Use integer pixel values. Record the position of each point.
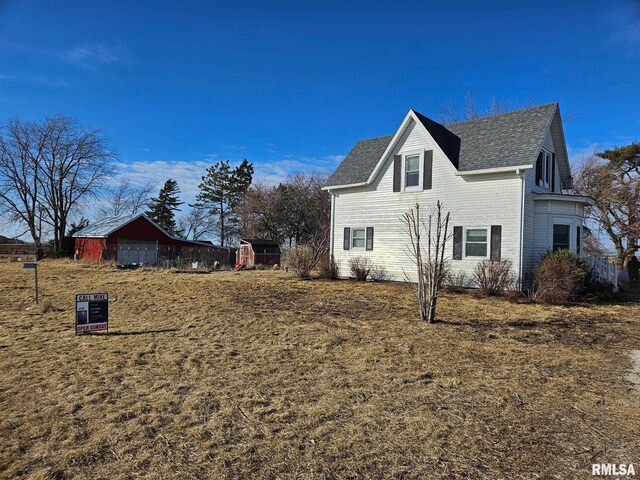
(259, 375)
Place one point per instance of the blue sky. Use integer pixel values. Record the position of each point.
(291, 86)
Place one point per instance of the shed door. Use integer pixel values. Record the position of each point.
(133, 252)
(244, 255)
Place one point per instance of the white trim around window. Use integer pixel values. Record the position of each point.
(358, 238)
(476, 242)
(546, 177)
(573, 222)
(420, 156)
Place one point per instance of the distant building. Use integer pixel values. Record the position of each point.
(136, 239)
(255, 251)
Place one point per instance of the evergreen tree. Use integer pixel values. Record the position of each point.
(161, 209)
(221, 192)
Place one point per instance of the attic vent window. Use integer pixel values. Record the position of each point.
(412, 171)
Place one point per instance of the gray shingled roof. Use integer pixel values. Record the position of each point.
(360, 162)
(505, 140)
(105, 226)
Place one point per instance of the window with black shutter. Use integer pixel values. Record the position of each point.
(457, 243)
(369, 238)
(539, 169)
(397, 172)
(496, 241)
(346, 245)
(427, 171)
(553, 172)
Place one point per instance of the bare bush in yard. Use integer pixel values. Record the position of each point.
(302, 259)
(378, 273)
(560, 276)
(456, 281)
(360, 268)
(328, 268)
(427, 239)
(493, 277)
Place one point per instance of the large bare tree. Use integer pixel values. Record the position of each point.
(125, 198)
(64, 165)
(197, 224)
(450, 113)
(614, 185)
(22, 149)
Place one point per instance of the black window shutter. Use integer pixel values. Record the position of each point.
(539, 168)
(496, 241)
(397, 172)
(369, 238)
(427, 171)
(457, 243)
(347, 238)
(553, 172)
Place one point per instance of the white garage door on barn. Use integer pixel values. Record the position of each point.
(131, 252)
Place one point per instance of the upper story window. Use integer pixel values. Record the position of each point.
(545, 170)
(412, 171)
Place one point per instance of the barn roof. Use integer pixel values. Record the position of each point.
(108, 225)
(506, 140)
(105, 227)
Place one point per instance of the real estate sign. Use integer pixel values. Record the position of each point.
(92, 312)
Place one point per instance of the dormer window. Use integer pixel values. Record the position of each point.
(412, 171)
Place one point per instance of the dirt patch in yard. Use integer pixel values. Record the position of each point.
(258, 375)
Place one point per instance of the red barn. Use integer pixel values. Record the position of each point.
(136, 239)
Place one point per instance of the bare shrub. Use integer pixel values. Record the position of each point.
(556, 281)
(379, 273)
(456, 281)
(493, 277)
(302, 259)
(360, 268)
(328, 268)
(427, 239)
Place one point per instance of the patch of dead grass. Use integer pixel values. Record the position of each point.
(258, 375)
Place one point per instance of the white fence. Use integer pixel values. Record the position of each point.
(605, 271)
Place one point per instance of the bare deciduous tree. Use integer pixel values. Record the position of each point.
(197, 224)
(21, 157)
(615, 188)
(52, 167)
(126, 199)
(448, 113)
(427, 241)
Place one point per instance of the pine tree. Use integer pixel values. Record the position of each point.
(221, 192)
(161, 209)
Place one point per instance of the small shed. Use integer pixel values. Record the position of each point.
(136, 239)
(256, 251)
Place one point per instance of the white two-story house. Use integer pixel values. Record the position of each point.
(501, 178)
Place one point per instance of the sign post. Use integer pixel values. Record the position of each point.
(92, 312)
(34, 266)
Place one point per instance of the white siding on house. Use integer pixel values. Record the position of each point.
(474, 201)
(538, 216)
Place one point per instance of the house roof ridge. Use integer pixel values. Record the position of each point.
(497, 115)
